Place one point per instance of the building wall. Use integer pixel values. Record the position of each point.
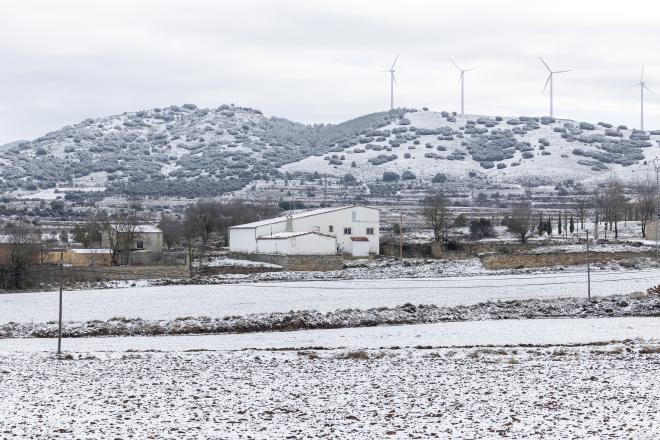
(360, 249)
(79, 259)
(344, 218)
(242, 240)
(308, 244)
(650, 230)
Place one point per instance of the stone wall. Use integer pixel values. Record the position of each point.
(295, 262)
(410, 250)
(522, 260)
(219, 270)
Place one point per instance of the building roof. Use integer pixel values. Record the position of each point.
(90, 251)
(138, 228)
(359, 239)
(296, 215)
(287, 235)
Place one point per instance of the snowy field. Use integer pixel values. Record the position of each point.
(447, 334)
(170, 302)
(552, 393)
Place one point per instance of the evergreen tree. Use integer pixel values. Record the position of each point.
(571, 225)
(559, 225)
(548, 226)
(541, 226)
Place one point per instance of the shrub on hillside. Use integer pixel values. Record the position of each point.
(481, 228)
(390, 176)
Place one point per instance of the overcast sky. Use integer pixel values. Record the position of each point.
(311, 61)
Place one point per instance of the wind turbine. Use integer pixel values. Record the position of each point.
(461, 79)
(392, 81)
(550, 80)
(642, 86)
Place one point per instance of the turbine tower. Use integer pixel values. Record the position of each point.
(392, 81)
(461, 79)
(642, 86)
(550, 80)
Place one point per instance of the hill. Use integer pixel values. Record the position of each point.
(191, 152)
(182, 151)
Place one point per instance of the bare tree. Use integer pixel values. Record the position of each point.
(172, 230)
(20, 248)
(521, 221)
(614, 203)
(118, 228)
(109, 224)
(130, 221)
(645, 194)
(582, 207)
(437, 216)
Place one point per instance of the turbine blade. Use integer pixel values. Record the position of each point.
(456, 65)
(562, 71)
(634, 85)
(649, 90)
(467, 70)
(394, 79)
(547, 81)
(545, 64)
(395, 59)
(641, 78)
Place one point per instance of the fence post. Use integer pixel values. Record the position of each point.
(59, 330)
(588, 270)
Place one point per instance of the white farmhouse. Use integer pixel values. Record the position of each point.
(328, 231)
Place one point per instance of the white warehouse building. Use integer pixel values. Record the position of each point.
(349, 229)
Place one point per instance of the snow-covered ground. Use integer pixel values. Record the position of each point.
(448, 334)
(553, 392)
(170, 302)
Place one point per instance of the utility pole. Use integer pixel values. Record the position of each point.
(59, 330)
(588, 269)
(401, 236)
(656, 165)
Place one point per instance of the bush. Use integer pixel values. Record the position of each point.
(460, 221)
(439, 178)
(481, 228)
(390, 176)
(408, 175)
(349, 179)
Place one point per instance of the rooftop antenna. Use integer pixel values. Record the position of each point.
(461, 79)
(551, 80)
(392, 81)
(642, 86)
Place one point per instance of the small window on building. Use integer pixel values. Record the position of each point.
(370, 231)
(347, 231)
(331, 228)
(139, 244)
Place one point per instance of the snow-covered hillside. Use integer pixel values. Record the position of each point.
(187, 151)
(424, 144)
